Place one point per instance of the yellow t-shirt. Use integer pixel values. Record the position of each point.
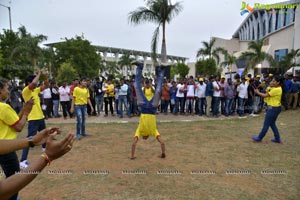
(8, 118)
(275, 96)
(36, 112)
(111, 90)
(81, 95)
(148, 93)
(147, 126)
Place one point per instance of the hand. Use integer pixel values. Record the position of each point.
(92, 109)
(44, 72)
(56, 149)
(42, 136)
(38, 72)
(72, 110)
(28, 106)
(256, 91)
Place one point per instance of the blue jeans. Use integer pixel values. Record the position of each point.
(123, 99)
(33, 127)
(80, 111)
(179, 103)
(148, 107)
(202, 105)
(189, 102)
(55, 107)
(10, 165)
(270, 121)
(216, 103)
(99, 102)
(229, 106)
(241, 107)
(164, 106)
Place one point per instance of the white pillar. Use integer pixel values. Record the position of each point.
(297, 32)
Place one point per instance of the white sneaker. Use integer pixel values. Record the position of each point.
(43, 149)
(24, 164)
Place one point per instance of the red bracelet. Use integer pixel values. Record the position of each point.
(46, 158)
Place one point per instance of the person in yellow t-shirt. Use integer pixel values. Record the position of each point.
(81, 97)
(147, 123)
(148, 90)
(273, 95)
(36, 119)
(10, 124)
(109, 93)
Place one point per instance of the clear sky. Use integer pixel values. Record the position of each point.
(105, 22)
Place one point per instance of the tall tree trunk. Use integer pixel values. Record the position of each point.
(163, 45)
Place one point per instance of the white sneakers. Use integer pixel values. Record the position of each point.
(24, 164)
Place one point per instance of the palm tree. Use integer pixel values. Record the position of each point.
(159, 12)
(125, 61)
(29, 45)
(229, 61)
(209, 50)
(256, 55)
(289, 60)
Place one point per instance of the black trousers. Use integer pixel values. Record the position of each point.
(10, 165)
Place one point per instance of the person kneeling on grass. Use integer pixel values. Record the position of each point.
(148, 107)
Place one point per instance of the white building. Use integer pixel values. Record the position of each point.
(279, 27)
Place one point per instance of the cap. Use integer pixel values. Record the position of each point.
(200, 79)
(222, 76)
(257, 76)
(270, 74)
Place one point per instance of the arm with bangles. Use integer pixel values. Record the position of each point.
(54, 150)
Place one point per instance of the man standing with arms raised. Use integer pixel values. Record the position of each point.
(36, 119)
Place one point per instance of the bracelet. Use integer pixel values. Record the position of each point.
(46, 158)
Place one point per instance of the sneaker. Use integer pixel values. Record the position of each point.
(86, 135)
(276, 141)
(256, 139)
(43, 149)
(24, 164)
(78, 136)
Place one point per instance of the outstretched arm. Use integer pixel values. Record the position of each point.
(54, 150)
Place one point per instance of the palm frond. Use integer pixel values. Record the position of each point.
(154, 42)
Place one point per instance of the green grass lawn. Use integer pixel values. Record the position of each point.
(225, 162)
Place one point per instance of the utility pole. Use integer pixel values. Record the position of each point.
(9, 12)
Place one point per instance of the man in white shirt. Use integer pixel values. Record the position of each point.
(123, 99)
(64, 97)
(242, 96)
(179, 98)
(200, 93)
(47, 101)
(216, 97)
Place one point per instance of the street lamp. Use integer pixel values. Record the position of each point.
(9, 15)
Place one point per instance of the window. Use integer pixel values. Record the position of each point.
(280, 54)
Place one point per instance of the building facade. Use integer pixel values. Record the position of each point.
(277, 24)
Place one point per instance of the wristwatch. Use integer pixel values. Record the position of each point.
(30, 142)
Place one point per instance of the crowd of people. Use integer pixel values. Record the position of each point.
(209, 96)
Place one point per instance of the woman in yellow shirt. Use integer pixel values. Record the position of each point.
(10, 124)
(81, 97)
(273, 96)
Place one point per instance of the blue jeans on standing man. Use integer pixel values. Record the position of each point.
(123, 100)
(33, 127)
(80, 111)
